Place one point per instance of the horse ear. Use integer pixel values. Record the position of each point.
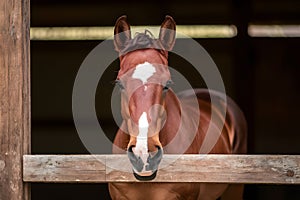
(167, 33)
(120, 39)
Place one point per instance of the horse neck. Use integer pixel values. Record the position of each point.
(181, 126)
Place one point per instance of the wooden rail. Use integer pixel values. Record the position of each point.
(251, 169)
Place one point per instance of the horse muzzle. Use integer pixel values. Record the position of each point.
(145, 171)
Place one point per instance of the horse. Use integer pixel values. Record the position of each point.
(155, 120)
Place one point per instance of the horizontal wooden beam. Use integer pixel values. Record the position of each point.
(251, 169)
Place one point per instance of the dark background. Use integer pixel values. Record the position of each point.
(260, 74)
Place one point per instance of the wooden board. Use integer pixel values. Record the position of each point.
(252, 169)
(14, 97)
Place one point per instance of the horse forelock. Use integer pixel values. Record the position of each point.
(144, 40)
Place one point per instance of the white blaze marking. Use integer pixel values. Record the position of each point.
(141, 148)
(143, 72)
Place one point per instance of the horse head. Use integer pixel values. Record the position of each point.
(144, 80)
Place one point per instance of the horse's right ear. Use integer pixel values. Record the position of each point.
(120, 39)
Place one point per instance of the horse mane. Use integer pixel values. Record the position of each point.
(142, 41)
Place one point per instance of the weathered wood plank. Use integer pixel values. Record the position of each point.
(14, 97)
(261, 169)
(51, 168)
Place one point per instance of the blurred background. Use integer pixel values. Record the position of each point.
(257, 56)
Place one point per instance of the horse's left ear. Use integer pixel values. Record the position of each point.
(167, 33)
(122, 33)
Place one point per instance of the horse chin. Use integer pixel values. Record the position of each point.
(148, 176)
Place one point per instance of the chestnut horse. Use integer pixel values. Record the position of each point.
(156, 120)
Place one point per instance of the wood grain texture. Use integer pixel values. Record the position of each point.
(14, 97)
(261, 169)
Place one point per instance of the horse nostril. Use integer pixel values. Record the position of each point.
(157, 148)
(130, 149)
(157, 154)
(137, 162)
(154, 160)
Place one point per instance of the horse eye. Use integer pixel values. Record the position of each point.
(167, 85)
(120, 84)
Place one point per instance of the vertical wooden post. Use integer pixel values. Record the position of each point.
(14, 97)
